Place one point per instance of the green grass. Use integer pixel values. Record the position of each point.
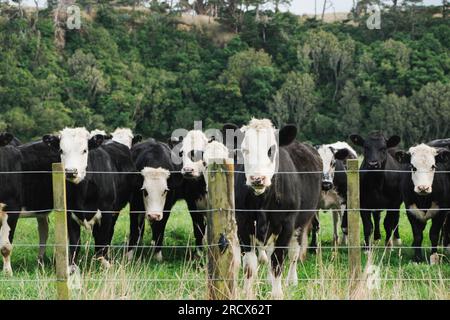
(322, 276)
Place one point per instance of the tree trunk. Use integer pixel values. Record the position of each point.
(60, 19)
(324, 8)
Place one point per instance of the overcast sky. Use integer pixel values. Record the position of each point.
(303, 6)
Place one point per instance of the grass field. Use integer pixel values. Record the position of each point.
(322, 276)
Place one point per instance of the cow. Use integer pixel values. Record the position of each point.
(334, 183)
(272, 202)
(379, 186)
(159, 187)
(88, 193)
(425, 191)
(10, 196)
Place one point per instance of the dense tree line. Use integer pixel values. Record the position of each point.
(143, 70)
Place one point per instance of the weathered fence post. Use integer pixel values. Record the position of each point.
(61, 238)
(221, 231)
(353, 216)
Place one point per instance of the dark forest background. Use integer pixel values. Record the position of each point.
(156, 69)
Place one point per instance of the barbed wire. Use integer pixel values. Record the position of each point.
(231, 171)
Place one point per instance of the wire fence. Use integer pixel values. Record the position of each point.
(205, 246)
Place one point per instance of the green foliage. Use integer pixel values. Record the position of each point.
(148, 71)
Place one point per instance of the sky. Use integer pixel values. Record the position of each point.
(302, 6)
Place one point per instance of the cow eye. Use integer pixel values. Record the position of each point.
(271, 152)
(165, 192)
(85, 151)
(413, 168)
(196, 155)
(433, 167)
(180, 153)
(145, 193)
(333, 164)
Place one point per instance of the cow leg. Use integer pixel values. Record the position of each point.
(137, 227)
(74, 240)
(417, 229)
(8, 226)
(314, 231)
(101, 234)
(436, 227)
(246, 232)
(295, 247)
(198, 222)
(277, 260)
(376, 231)
(344, 224)
(367, 226)
(388, 227)
(336, 217)
(396, 223)
(42, 221)
(446, 233)
(158, 229)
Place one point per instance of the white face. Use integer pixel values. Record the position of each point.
(423, 164)
(95, 132)
(329, 163)
(214, 150)
(193, 148)
(260, 151)
(74, 153)
(155, 191)
(123, 136)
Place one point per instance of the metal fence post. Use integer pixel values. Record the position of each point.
(223, 244)
(61, 237)
(353, 215)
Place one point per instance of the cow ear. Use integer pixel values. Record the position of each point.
(287, 135)
(51, 141)
(173, 141)
(211, 139)
(317, 146)
(342, 154)
(108, 136)
(443, 155)
(5, 138)
(393, 142)
(96, 141)
(403, 157)
(136, 139)
(357, 140)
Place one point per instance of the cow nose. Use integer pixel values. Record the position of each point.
(154, 216)
(327, 185)
(187, 171)
(373, 164)
(424, 189)
(71, 173)
(257, 180)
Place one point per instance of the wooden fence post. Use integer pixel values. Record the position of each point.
(61, 237)
(353, 216)
(221, 231)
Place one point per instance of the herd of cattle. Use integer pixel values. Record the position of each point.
(280, 185)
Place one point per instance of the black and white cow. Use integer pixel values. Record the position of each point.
(379, 186)
(425, 191)
(334, 183)
(10, 196)
(159, 188)
(261, 189)
(88, 193)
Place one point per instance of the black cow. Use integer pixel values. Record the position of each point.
(426, 192)
(91, 197)
(379, 189)
(158, 190)
(10, 196)
(269, 201)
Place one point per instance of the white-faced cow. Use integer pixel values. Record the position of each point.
(10, 196)
(334, 183)
(379, 186)
(158, 189)
(277, 199)
(88, 193)
(425, 191)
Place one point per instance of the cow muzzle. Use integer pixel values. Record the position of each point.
(423, 190)
(154, 216)
(327, 185)
(373, 164)
(188, 173)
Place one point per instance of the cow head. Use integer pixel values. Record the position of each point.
(192, 150)
(74, 145)
(375, 148)
(260, 148)
(422, 160)
(123, 136)
(5, 138)
(155, 188)
(329, 155)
